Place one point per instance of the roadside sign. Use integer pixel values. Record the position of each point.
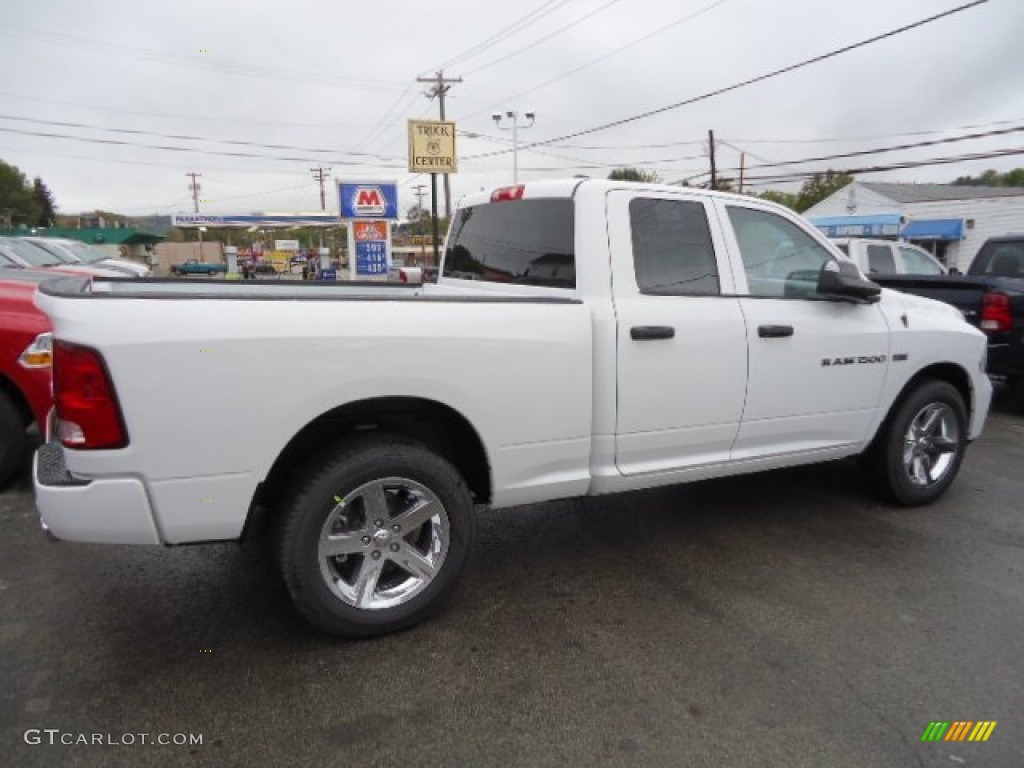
(286, 245)
(432, 147)
(368, 199)
(372, 241)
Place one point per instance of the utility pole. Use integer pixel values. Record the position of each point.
(320, 175)
(194, 186)
(711, 152)
(194, 189)
(441, 85)
(743, 163)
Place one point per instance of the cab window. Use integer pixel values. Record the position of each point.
(781, 261)
(672, 249)
(880, 260)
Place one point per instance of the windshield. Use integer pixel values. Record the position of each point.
(31, 254)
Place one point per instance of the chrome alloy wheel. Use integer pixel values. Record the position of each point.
(383, 543)
(931, 444)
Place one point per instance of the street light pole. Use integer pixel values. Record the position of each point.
(514, 127)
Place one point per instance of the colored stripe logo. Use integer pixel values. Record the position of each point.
(958, 730)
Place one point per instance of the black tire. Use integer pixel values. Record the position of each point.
(1017, 388)
(319, 585)
(885, 463)
(12, 439)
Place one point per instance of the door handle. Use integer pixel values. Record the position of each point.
(650, 332)
(774, 331)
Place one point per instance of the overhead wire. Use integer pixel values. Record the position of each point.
(760, 78)
(576, 22)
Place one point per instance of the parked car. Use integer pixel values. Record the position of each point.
(28, 255)
(697, 335)
(77, 252)
(193, 267)
(991, 297)
(25, 357)
(889, 257)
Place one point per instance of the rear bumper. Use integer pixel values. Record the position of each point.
(103, 510)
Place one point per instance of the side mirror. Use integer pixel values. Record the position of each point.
(842, 281)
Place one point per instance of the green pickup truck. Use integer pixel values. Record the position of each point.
(193, 267)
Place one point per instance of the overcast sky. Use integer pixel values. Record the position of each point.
(333, 83)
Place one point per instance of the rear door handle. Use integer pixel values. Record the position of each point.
(650, 332)
(774, 331)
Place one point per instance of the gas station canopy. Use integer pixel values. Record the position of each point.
(258, 220)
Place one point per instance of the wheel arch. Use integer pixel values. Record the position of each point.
(952, 373)
(430, 422)
(13, 393)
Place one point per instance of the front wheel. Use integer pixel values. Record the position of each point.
(920, 446)
(375, 537)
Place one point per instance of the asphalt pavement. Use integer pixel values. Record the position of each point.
(784, 619)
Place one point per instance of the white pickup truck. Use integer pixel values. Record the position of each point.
(585, 337)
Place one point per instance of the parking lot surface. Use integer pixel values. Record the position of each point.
(784, 619)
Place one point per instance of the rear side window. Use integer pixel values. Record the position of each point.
(524, 242)
(672, 249)
(880, 260)
(999, 259)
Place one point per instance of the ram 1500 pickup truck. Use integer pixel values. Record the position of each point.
(602, 337)
(991, 297)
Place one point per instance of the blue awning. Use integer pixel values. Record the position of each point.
(934, 229)
(879, 225)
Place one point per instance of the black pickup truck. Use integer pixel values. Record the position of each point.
(991, 296)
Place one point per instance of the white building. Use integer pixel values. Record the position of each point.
(951, 222)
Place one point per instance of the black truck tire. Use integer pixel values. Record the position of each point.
(920, 445)
(12, 439)
(374, 537)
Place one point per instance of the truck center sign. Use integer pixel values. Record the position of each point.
(432, 147)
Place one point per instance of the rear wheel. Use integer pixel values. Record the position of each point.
(374, 539)
(12, 439)
(1017, 387)
(920, 446)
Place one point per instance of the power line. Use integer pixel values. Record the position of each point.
(535, 43)
(185, 137)
(222, 153)
(895, 148)
(660, 30)
(519, 25)
(761, 78)
(234, 68)
(894, 166)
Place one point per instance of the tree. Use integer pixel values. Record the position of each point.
(16, 203)
(634, 174)
(787, 199)
(46, 209)
(992, 178)
(820, 186)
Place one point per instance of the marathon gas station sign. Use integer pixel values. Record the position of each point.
(368, 207)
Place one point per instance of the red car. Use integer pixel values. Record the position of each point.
(25, 358)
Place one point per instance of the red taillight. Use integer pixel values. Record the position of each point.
(508, 193)
(88, 414)
(996, 314)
